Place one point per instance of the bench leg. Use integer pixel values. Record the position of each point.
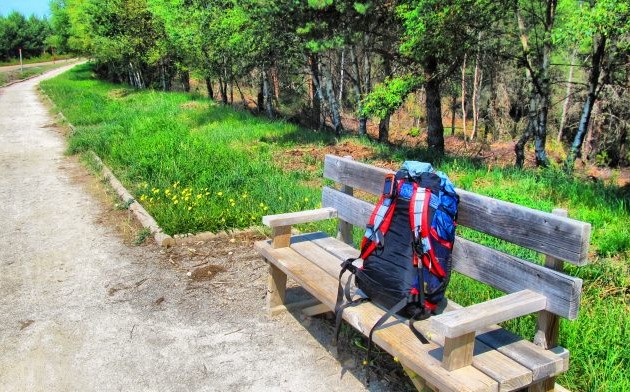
(276, 288)
(548, 385)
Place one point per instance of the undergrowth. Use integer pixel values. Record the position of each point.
(199, 166)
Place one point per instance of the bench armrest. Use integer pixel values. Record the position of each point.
(472, 318)
(293, 218)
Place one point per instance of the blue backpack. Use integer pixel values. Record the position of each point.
(406, 250)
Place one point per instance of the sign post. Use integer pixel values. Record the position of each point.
(21, 65)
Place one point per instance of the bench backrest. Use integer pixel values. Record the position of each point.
(553, 235)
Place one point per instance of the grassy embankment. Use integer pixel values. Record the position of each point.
(198, 166)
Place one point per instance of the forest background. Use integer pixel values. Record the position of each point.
(552, 72)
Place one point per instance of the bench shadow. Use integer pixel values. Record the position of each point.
(387, 375)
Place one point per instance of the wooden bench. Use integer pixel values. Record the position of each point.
(467, 350)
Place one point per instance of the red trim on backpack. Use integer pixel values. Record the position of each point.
(448, 245)
(430, 305)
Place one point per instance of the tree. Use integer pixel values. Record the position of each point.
(606, 24)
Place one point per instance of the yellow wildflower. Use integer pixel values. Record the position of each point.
(306, 199)
(167, 191)
(219, 193)
(156, 191)
(175, 201)
(199, 196)
(189, 208)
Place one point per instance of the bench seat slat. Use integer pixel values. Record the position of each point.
(497, 269)
(563, 238)
(397, 338)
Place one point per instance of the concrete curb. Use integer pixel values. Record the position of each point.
(139, 212)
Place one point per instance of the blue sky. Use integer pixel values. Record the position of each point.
(26, 7)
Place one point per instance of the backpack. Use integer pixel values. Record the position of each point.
(408, 240)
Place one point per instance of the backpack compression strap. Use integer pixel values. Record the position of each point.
(422, 199)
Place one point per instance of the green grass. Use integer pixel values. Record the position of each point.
(224, 168)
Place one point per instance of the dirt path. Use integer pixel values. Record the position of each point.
(81, 310)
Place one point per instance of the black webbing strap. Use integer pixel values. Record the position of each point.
(392, 311)
(344, 292)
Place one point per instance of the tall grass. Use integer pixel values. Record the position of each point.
(198, 166)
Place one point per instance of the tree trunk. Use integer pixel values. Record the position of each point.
(358, 91)
(464, 97)
(260, 104)
(491, 126)
(223, 91)
(383, 125)
(276, 83)
(332, 100)
(519, 148)
(545, 86)
(567, 99)
(316, 92)
(341, 76)
(593, 82)
(453, 110)
(185, 79)
(210, 89)
(267, 94)
(475, 97)
(435, 130)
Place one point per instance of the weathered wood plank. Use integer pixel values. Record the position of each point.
(474, 317)
(396, 338)
(294, 218)
(557, 236)
(510, 274)
(550, 234)
(327, 253)
(542, 363)
(497, 269)
(458, 351)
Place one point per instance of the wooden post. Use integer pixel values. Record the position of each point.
(344, 229)
(277, 282)
(548, 324)
(458, 352)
